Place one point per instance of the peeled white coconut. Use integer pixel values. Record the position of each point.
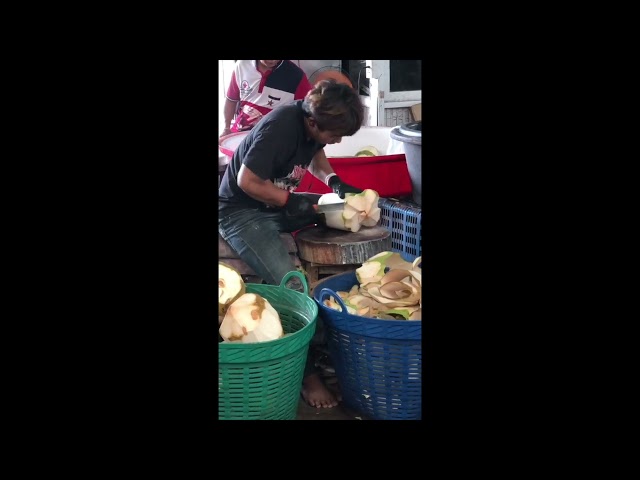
(333, 219)
(230, 287)
(360, 209)
(249, 319)
(329, 198)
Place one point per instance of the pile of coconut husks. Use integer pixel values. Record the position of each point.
(244, 317)
(390, 288)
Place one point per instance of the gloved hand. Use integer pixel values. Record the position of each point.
(339, 187)
(299, 206)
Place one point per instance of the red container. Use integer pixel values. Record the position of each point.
(386, 174)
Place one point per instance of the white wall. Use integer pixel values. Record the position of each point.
(378, 137)
(310, 66)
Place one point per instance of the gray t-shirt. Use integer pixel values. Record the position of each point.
(276, 149)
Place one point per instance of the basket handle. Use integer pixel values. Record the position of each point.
(327, 291)
(294, 274)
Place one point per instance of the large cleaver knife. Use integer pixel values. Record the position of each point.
(329, 207)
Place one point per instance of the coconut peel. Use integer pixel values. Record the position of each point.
(230, 287)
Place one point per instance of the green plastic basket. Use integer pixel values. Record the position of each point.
(262, 381)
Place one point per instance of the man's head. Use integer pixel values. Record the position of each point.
(269, 63)
(333, 110)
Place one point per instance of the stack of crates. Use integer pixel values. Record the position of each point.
(404, 221)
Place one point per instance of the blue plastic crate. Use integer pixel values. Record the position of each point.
(378, 362)
(404, 221)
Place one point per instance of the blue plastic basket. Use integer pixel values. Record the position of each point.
(404, 221)
(378, 362)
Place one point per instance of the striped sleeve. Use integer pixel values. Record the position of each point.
(233, 92)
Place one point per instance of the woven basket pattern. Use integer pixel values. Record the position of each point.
(261, 381)
(404, 221)
(378, 362)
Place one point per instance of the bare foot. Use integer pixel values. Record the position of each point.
(316, 394)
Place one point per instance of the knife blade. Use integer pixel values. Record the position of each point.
(329, 207)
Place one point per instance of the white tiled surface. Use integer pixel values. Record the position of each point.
(397, 116)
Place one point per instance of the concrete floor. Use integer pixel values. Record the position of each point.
(305, 412)
(340, 412)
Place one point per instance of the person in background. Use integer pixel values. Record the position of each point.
(256, 200)
(259, 86)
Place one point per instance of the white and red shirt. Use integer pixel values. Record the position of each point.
(259, 93)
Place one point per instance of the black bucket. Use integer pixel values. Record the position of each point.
(411, 136)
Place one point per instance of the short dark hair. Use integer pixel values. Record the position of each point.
(335, 107)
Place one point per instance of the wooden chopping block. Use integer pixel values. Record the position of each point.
(329, 246)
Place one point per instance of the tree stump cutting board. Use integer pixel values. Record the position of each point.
(329, 246)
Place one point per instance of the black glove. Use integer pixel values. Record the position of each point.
(299, 206)
(339, 187)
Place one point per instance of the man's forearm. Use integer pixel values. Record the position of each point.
(262, 190)
(267, 192)
(229, 112)
(320, 166)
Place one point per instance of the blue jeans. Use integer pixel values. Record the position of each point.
(255, 236)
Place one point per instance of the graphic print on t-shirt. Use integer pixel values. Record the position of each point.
(291, 181)
(245, 90)
(274, 97)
